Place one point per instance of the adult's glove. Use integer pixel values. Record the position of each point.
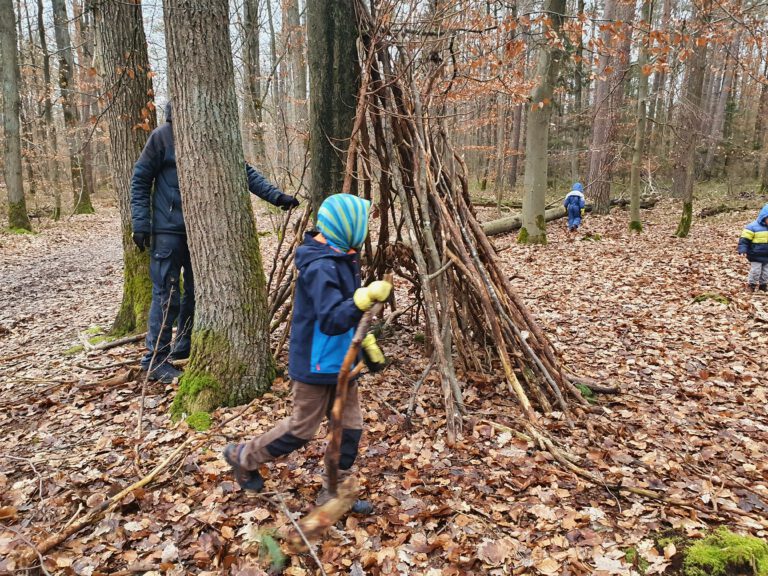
(287, 202)
(141, 239)
(377, 291)
(372, 354)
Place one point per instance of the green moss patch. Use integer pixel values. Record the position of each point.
(636, 226)
(725, 553)
(200, 421)
(714, 296)
(589, 237)
(191, 386)
(19, 231)
(638, 562)
(586, 391)
(74, 350)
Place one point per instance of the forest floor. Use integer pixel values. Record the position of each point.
(667, 320)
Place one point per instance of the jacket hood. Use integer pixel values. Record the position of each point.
(578, 186)
(312, 250)
(168, 111)
(763, 215)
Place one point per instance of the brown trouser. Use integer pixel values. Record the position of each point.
(311, 405)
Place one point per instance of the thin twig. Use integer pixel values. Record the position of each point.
(32, 465)
(23, 538)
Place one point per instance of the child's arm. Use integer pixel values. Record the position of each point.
(745, 241)
(335, 313)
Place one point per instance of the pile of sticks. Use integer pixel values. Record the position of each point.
(400, 144)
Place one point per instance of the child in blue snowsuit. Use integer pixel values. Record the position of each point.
(574, 203)
(754, 245)
(328, 304)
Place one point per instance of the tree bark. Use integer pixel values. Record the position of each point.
(131, 117)
(297, 48)
(334, 81)
(17, 207)
(253, 96)
(81, 194)
(689, 128)
(231, 362)
(52, 147)
(537, 140)
(642, 94)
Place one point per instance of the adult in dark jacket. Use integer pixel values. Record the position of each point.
(158, 224)
(753, 244)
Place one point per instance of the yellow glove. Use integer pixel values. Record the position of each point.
(377, 291)
(372, 354)
(583, 210)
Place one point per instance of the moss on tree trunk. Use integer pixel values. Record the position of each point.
(685, 220)
(137, 294)
(17, 216)
(635, 226)
(207, 380)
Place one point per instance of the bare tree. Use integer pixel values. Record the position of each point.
(17, 207)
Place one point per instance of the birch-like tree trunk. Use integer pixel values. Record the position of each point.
(334, 80)
(231, 362)
(9, 56)
(130, 111)
(81, 193)
(537, 139)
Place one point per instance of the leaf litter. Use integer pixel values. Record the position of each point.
(690, 422)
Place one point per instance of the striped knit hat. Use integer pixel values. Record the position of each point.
(343, 220)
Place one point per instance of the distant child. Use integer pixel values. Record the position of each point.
(574, 204)
(754, 245)
(327, 306)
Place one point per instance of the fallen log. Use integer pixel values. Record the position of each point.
(721, 209)
(512, 223)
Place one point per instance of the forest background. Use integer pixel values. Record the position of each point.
(644, 103)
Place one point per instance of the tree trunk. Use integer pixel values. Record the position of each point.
(252, 71)
(297, 48)
(17, 207)
(537, 140)
(517, 124)
(279, 104)
(334, 81)
(52, 147)
(81, 194)
(718, 116)
(231, 362)
(84, 40)
(131, 117)
(642, 94)
(688, 130)
(762, 111)
(501, 148)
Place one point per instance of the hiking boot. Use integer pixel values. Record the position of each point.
(247, 479)
(763, 288)
(163, 373)
(179, 355)
(362, 507)
(751, 287)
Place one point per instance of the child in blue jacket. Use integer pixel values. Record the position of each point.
(754, 245)
(327, 306)
(574, 203)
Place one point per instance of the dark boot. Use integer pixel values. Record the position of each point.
(763, 288)
(751, 287)
(164, 373)
(247, 479)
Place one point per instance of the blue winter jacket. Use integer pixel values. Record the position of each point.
(324, 314)
(754, 238)
(574, 198)
(157, 167)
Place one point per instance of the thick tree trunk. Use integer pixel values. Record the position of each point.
(131, 117)
(537, 140)
(758, 137)
(17, 207)
(642, 94)
(298, 58)
(51, 145)
(84, 39)
(231, 362)
(81, 194)
(517, 124)
(252, 71)
(501, 148)
(334, 81)
(688, 130)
